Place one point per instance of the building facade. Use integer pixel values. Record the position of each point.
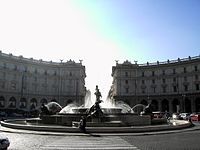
(27, 83)
(172, 86)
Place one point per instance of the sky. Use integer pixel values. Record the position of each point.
(100, 32)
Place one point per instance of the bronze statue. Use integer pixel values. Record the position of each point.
(95, 110)
(98, 94)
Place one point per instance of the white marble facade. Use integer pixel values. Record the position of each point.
(27, 83)
(172, 86)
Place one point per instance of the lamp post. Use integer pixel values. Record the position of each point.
(183, 102)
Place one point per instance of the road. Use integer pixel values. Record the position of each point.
(188, 140)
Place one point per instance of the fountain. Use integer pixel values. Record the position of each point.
(94, 117)
(120, 115)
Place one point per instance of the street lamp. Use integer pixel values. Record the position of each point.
(183, 102)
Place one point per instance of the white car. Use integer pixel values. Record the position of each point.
(4, 143)
(184, 116)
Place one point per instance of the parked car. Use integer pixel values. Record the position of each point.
(195, 117)
(184, 116)
(175, 116)
(159, 114)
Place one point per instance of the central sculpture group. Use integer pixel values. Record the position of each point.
(94, 111)
(94, 116)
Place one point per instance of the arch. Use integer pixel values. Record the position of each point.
(12, 102)
(175, 105)
(188, 105)
(127, 101)
(69, 101)
(53, 100)
(23, 103)
(144, 102)
(33, 103)
(197, 104)
(165, 105)
(154, 104)
(2, 101)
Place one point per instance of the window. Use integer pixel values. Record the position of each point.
(184, 70)
(143, 91)
(126, 81)
(164, 89)
(126, 74)
(163, 80)
(197, 87)
(127, 90)
(196, 77)
(195, 68)
(142, 74)
(154, 90)
(35, 71)
(13, 86)
(174, 71)
(175, 88)
(45, 72)
(143, 82)
(153, 73)
(174, 79)
(4, 65)
(185, 87)
(153, 81)
(15, 67)
(2, 84)
(163, 72)
(25, 69)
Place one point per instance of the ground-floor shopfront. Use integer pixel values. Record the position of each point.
(166, 103)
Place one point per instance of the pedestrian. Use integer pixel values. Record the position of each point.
(82, 124)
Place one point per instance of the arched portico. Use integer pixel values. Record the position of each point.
(175, 105)
(23, 103)
(165, 105)
(2, 102)
(33, 103)
(12, 102)
(188, 105)
(144, 102)
(154, 104)
(54, 100)
(197, 104)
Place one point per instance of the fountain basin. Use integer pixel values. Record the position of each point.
(130, 119)
(21, 124)
(83, 110)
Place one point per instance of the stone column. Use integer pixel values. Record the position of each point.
(170, 106)
(193, 109)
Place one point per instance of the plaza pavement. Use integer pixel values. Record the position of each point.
(31, 140)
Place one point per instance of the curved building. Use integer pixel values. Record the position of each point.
(172, 86)
(27, 83)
